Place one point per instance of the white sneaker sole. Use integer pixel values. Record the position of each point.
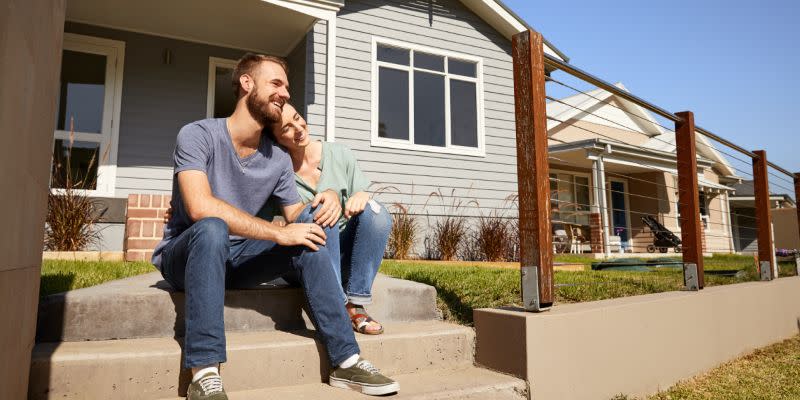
(371, 390)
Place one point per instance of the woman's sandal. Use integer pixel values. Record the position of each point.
(362, 320)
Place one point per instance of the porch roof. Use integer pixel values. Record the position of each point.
(268, 26)
(627, 159)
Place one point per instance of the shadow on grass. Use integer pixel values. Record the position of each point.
(56, 283)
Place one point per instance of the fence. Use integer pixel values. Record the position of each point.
(664, 155)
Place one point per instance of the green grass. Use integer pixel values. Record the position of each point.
(61, 275)
(461, 289)
(771, 373)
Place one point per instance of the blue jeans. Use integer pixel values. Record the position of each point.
(202, 261)
(363, 242)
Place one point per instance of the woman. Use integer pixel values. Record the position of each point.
(326, 175)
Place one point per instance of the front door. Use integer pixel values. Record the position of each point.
(620, 219)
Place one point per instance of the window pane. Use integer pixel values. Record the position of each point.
(393, 55)
(582, 192)
(224, 99)
(428, 61)
(463, 113)
(429, 109)
(393, 104)
(82, 92)
(459, 67)
(80, 165)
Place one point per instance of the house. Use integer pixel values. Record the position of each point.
(743, 217)
(613, 163)
(422, 91)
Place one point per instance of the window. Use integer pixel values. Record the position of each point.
(221, 100)
(569, 198)
(87, 114)
(426, 99)
(703, 204)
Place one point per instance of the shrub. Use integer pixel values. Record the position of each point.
(493, 237)
(403, 234)
(71, 213)
(449, 230)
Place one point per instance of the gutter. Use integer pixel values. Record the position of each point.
(522, 21)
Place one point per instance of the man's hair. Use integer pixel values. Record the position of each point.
(248, 63)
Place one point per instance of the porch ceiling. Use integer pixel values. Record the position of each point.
(254, 25)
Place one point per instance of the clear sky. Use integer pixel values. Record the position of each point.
(734, 63)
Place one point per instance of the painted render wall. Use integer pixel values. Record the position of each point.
(30, 60)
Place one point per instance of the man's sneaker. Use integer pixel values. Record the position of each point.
(363, 377)
(208, 387)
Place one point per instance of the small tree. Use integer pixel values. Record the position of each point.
(71, 213)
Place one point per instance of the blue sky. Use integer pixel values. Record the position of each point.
(735, 64)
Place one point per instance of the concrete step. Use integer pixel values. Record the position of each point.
(150, 367)
(465, 383)
(146, 306)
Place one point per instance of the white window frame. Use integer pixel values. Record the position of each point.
(582, 175)
(409, 144)
(213, 63)
(114, 50)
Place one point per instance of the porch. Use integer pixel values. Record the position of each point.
(601, 192)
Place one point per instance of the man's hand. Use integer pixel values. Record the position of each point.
(331, 208)
(309, 235)
(356, 204)
(167, 215)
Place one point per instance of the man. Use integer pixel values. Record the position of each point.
(225, 169)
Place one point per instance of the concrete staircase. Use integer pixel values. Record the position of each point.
(122, 340)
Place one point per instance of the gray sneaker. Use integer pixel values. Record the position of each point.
(208, 387)
(363, 377)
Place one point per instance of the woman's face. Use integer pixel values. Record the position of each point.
(292, 132)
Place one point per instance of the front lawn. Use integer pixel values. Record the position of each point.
(62, 275)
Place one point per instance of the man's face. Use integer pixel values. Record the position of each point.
(269, 93)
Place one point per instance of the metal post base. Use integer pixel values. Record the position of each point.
(766, 271)
(690, 279)
(530, 290)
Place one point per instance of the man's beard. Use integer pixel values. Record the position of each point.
(260, 110)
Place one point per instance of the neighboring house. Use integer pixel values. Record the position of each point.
(743, 217)
(610, 154)
(422, 91)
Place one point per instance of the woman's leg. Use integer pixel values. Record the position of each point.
(363, 243)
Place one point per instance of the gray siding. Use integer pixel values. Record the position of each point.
(449, 26)
(158, 99)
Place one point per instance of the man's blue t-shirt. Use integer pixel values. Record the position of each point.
(245, 183)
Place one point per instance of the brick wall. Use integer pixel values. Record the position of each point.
(596, 233)
(144, 225)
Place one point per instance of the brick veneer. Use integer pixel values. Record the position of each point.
(596, 233)
(144, 225)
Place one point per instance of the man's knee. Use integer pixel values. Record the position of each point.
(211, 231)
(306, 216)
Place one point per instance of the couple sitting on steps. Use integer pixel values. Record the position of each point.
(261, 158)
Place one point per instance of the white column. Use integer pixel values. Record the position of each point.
(728, 225)
(330, 86)
(604, 217)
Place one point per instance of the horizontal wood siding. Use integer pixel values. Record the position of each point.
(468, 185)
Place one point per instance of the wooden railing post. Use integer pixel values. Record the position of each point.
(689, 200)
(766, 252)
(535, 235)
(797, 208)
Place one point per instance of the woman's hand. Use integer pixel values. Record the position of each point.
(330, 210)
(356, 204)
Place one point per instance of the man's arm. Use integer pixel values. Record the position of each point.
(200, 203)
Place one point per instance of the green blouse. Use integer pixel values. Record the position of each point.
(338, 172)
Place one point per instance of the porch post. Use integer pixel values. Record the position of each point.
(727, 204)
(797, 198)
(535, 233)
(604, 211)
(766, 252)
(689, 199)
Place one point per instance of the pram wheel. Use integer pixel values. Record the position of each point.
(651, 248)
(678, 249)
(663, 249)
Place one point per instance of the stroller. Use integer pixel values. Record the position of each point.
(663, 238)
